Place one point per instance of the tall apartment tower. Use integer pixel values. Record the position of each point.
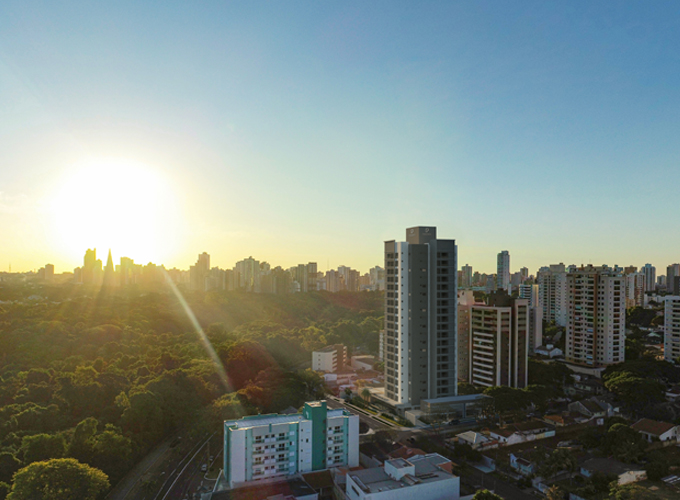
(650, 277)
(503, 271)
(596, 326)
(499, 342)
(467, 276)
(552, 293)
(671, 342)
(531, 294)
(672, 272)
(420, 318)
(466, 299)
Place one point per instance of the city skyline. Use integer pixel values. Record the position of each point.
(289, 132)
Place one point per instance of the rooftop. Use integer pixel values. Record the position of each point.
(609, 466)
(428, 469)
(275, 418)
(653, 427)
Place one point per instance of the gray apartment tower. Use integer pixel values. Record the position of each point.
(420, 318)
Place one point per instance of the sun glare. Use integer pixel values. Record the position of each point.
(118, 204)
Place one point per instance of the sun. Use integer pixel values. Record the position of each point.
(118, 204)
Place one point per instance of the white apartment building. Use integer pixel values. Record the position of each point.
(596, 325)
(635, 289)
(420, 318)
(671, 342)
(329, 359)
(552, 293)
(426, 477)
(265, 447)
(499, 342)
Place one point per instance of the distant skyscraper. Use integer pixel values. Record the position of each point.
(420, 318)
(109, 272)
(650, 277)
(199, 273)
(503, 271)
(552, 293)
(466, 272)
(671, 344)
(596, 325)
(672, 272)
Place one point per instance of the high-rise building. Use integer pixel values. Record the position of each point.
(377, 275)
(635, 289)
(466, 272)
(552, 293)
(420, 318)
(199, 273)
(330, 359)
(531, 294)
(499, 342)
(503, 271)
(650, 277)
(247, 275)
(264, 447)
(671, 342)
(596, 325)
(109, 273)
(466, 299)
(672, 272)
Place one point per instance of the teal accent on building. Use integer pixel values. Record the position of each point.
(317, 413)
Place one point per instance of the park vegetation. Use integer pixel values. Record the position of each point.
(91, 381)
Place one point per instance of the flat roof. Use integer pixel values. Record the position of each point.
(427, 470)
(275, 418)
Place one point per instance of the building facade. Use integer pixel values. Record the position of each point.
(329, 359)
(264, 447)
(499, 342)
(503, 271)
(596, 326)
(420, 318)
(552, 293)
(671, 342)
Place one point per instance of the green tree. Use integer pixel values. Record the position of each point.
(58, 479)
(9, 464)
(4, 490)
(657, 470)
(112, 452)
(486, 495)
(631, 492)
(624, 443)
(465, 388)
(635, 392)
(42, 447)
(80, 446)
(554, 493)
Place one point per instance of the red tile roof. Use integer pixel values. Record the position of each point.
(653, 427)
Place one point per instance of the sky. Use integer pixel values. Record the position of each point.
(314, 131)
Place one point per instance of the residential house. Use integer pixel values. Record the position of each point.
(625, 473)
(522, 465)
(654, 430)
(591, 408)
(475, 439)
(522, 432)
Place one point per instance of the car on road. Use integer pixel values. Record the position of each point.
(204, 467)
(212, 458)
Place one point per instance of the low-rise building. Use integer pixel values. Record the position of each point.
(591, 408)
(549, 351)
(427, 477)
(522, 432)
(655, 430)
(263, 447)
(330, 359)
(624, 473)
(474, 439)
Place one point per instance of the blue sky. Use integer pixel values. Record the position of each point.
(298, 131)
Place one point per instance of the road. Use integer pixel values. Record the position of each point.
(371, 422)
